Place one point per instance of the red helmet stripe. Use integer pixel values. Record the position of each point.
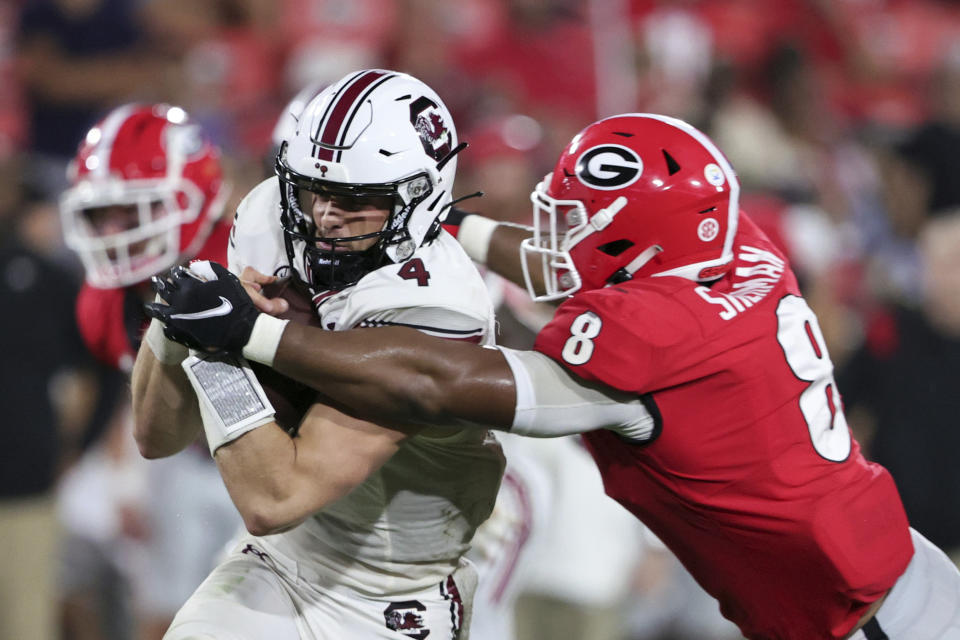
(353, 113)
(326, 112)
(340, 107)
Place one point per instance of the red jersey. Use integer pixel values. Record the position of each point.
(112, 321)
(752, 478)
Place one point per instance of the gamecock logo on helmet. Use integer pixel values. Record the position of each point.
(426, 118)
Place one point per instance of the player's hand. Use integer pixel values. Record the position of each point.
(253, 281)
(451, 222)
(206, 307)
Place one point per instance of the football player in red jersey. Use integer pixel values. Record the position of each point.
(686, 351)
(146, 193)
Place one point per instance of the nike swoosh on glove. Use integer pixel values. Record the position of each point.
(210, 314)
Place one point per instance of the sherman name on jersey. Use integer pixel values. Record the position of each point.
(744, 487)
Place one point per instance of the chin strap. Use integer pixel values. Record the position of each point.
(476, 194)
(626, 273)
(598, 221)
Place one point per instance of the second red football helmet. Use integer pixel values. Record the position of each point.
(633, 195)
(146, 189)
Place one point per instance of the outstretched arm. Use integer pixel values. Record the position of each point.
(396, 374)
(401, 374)
(496, 245)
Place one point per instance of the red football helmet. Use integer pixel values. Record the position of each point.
(633, 195)
(146, 189)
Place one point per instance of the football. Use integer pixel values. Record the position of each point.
(290, 399)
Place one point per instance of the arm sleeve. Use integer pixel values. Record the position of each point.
(552, 402)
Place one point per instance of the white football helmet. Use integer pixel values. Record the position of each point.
(372, 133)
(286, 123)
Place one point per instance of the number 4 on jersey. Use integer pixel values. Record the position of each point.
(415, 270)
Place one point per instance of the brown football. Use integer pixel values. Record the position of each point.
(290, 399)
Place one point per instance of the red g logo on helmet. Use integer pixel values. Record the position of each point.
(609, 166)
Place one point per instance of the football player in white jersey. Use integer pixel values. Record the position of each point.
(359, 529)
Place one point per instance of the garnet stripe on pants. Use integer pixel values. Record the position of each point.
(449, 591)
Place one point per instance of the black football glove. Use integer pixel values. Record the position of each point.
(210, 315)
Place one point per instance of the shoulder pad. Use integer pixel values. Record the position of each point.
(438, 276)
(101, 320)
(256, 239)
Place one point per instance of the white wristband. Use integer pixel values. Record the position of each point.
(232, 400)
(474, 236)
(265, 339)
(165, 350)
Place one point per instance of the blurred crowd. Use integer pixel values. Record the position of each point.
(841, 117)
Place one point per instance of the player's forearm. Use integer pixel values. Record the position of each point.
(495, 245)
(260, 472)
(166, 416)
(503, 255)
(401, 375)
(277, 481)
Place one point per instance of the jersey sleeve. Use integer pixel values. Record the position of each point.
(215, 248)
(437, 291)
(441, 322)
(101, 320)
(256, 238)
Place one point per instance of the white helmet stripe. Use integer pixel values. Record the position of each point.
(728, 172)
(108, 134)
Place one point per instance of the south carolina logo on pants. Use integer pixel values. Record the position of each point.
(407, 618)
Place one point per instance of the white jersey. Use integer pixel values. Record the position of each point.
(409, 523)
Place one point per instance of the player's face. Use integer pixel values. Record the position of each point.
(111, 219)
(347, 216)
(118, 218)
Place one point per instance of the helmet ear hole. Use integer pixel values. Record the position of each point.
(616, 247)
(672, 165)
